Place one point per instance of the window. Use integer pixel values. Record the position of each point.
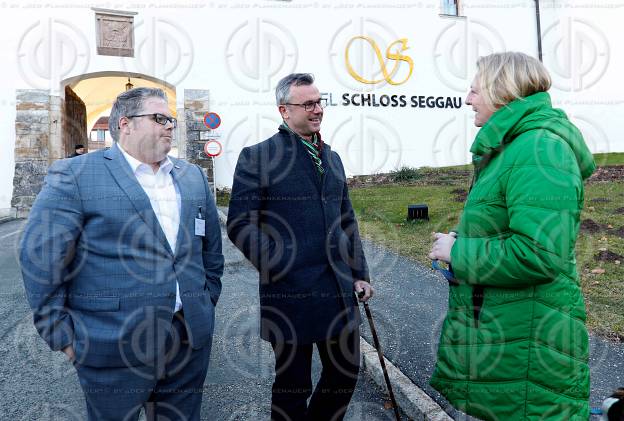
(449, 7)
(101, 135)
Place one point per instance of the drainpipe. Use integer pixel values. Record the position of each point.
(539, 30)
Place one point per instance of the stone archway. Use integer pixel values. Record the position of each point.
(47, 128)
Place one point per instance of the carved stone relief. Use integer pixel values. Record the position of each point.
(115, 33)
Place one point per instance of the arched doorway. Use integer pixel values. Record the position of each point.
(88, 101)
(48, 126)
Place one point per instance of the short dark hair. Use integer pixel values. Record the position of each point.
(78, 146)
(130, 103)
(282, 91)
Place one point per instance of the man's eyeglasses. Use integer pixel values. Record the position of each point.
(158, 118)
(311, 106)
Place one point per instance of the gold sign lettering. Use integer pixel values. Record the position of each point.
(396, 56)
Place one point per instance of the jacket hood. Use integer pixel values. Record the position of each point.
(534, 112)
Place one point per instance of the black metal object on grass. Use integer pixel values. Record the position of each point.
(417, 212)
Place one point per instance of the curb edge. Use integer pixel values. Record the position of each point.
(411, 399)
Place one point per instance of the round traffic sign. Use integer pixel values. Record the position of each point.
(213, 148)
(212, 120)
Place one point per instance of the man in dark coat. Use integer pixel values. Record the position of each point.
(291, 216)
(78, 150)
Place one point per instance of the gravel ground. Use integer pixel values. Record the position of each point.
(408, 308)
(36, 383)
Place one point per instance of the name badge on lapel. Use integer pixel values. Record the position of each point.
(200, 223)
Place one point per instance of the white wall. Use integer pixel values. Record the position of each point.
(240, 49)
(7, 110)
(583, 53)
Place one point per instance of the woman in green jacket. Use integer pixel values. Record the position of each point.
(514, 345)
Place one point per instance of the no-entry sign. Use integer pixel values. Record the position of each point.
(213, 148)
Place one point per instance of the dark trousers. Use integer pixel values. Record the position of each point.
(170, 389)
(340, 357)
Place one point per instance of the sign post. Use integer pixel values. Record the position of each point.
(213, 148)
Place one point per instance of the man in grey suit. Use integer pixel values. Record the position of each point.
(121, 260)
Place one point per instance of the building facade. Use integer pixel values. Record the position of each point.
(395, 75)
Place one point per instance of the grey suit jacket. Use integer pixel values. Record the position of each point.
(98, 270)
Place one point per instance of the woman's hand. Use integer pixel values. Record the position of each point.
(441, 249)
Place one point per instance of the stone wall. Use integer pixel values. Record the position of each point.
(56, 146)
(32, 135)
(47, 128)
(74, 122)
(196, 104)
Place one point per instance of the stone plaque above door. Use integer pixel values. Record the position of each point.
(114, 32)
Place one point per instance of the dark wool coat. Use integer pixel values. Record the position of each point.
(299, 230)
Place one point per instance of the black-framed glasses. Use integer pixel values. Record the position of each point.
(158, 118)
(311, 106)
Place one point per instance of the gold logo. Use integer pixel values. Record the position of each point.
(390, 55)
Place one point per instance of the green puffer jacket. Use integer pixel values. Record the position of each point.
(514, 345)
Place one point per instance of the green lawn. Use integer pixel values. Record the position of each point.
(382, 212)
(605, 159)
(604, 293)
(223, 198)
(602, 160)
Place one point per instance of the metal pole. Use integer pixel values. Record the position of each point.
(369, 316)
(214, 180)
(539, 30)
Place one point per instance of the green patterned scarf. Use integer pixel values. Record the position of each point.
(312, 147)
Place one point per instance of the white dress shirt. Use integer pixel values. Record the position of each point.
(164, 197)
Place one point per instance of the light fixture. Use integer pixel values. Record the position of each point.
(129, 85)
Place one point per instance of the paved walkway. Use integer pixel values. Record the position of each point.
(37, 384)
(408, 308)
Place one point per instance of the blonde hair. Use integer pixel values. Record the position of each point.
(504, 77)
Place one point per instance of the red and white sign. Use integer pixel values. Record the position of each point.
(213, 148)
(212, 120)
